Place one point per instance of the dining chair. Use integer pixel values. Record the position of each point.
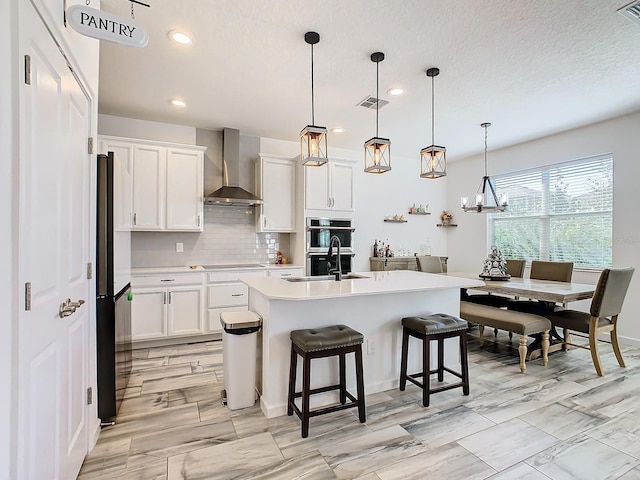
(544, 270)
(429, 264)
(602, 317)
(515, 268)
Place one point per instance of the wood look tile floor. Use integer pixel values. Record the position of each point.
(556, 422)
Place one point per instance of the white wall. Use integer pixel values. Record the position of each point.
(133, 128)
(468, 243)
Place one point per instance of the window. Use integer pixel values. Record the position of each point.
(561, 212)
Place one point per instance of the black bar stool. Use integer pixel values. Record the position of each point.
(438, 326)
(319, 343)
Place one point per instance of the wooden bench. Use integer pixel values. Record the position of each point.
(521, 323)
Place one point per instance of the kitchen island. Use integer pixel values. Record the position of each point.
(373, 305)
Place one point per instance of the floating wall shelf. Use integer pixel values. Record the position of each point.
(419, 213)
(389, 220)
(446, 225)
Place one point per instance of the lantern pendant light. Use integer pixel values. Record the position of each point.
(433, 159)
(313, 139)
(486, 200)
(377, 151)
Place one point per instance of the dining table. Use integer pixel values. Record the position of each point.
(534, 289)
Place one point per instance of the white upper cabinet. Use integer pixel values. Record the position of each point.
(122, 171)
(184, 190)
(167, 183)
(329, 187)
(276, 181)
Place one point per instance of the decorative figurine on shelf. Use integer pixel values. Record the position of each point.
(495, 266)
(424, 209)
(446, 218)
(413, 209)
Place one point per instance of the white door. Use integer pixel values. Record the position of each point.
(149, 313)
(54, 247)
(184, 190)
(342, 186)
(149, 188)
(278, 194)
(184, 310)
(316, 188)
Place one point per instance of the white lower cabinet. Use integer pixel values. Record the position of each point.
(159, 311)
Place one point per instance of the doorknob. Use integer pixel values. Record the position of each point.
(68, 307)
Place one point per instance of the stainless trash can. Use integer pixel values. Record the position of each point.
(239, 342)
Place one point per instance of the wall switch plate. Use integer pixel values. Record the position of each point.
(179, 247)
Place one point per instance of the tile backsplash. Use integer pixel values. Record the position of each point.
(229, 237)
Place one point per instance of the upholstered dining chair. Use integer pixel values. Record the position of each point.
(602, 317)
(544, 270)
(429, 264)
(515, 268)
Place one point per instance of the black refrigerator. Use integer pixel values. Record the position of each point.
(113, 292)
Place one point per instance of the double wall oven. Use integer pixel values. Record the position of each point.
(319, 233)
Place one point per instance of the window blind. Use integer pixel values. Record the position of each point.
(560, 212)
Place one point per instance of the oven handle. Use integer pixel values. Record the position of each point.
(321, 254)
(327, 227)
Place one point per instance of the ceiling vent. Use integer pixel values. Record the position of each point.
(631, 11)
(371, 101)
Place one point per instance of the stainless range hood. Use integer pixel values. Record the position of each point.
(231, 192)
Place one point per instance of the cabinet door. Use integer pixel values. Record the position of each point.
(342, 186)
(149, 314)
(184, 311)
(149, 177)
(122, 171)
(278, 194)
(184, 190)
(316, 188)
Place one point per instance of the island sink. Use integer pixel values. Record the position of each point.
(346, 276)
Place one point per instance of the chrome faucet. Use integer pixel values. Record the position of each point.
(338, 269)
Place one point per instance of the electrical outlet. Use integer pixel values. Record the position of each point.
(371, 346)
(179, 247)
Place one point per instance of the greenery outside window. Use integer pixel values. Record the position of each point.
(561, 212)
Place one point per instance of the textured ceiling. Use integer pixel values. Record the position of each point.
(531, 68)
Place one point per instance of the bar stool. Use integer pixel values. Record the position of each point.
(438, 326)
(319, 343)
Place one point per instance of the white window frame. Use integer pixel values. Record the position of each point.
(546, 215)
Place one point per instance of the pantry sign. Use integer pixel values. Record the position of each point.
(106, 26)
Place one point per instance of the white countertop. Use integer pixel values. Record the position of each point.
(396, 281)
(207, 268)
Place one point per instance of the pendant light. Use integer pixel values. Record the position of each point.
(313, 139)
(485, 200)
(433, 159)
(377, 151)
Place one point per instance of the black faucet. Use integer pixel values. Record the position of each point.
(338, 270)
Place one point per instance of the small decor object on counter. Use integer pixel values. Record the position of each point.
(495, 266)
(279, 257)
(375, 248)
(446, 218)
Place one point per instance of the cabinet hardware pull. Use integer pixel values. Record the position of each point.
(265, 221)
(237, 294)
(164, 298)
(169, 298)
(285, 274)
(168, 280)
(134, 218)
(198, 220)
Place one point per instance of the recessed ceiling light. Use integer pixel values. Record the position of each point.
(179, 37)
(395, 91)
(337, 130)
(178, 103)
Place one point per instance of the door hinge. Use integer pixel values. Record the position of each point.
(89, 271)
(27, 296)
(90, 145)
(89, 395)
(27, 69)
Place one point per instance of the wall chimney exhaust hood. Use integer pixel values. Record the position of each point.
(231, 192)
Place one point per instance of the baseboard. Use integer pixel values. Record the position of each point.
(94, 434)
